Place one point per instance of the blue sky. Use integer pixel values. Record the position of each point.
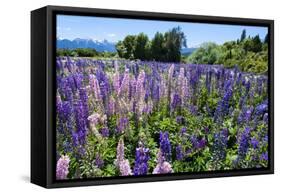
(113, 29)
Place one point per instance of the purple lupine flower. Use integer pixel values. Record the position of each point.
(245, 115)
(220, 145)
(84, 100)
(74, 138)
(179, 152)
(104, 84)
(194, 78)
(223, 105)
(262, 108)
(122, 124)
(247, 84)
(162, 167)
(65, 86)
(207, 130)
(193, 139)
(147, 93)
(59, 64)
(264, 156)
(67, 147)
(165, 145)
(78, 80)
(193, 109)
(183, 131)
(104, 132)
(111, 106)
(156, 93)
(81, 124)
(248, 114)
(180, 119)
(141, 161)
(259, 86)
(62, 167)
(254, 143)
(201, 143)
(147, 109)
(197, 143)
(208, 80)
(60, 113)
(176, 101)
(99, 161)
(244, 143)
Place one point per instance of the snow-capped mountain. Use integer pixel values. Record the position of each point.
(86, 43)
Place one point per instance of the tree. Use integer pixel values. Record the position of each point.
(141, 46)
(207, 53)
(86, 52)
(229, 46)
(120, 48)
(157, 47)
(243, 35)
(257, 44)
(266, 39)
(174, 41)
(247, 44)
(129, 45)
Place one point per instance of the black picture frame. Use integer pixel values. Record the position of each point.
(43, 88)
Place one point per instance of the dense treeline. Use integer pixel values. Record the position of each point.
(163, 47)
(84, 52)
(249, 53)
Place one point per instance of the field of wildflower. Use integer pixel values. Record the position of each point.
(131, 118)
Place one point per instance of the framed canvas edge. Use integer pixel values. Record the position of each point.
(50, 70)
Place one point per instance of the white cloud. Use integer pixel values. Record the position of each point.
(111, 35)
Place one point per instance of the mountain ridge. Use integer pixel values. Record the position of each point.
(100, 46)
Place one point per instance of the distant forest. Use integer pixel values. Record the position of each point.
(250, 54)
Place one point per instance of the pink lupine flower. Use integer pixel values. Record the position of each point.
(120, 151)
(140, 91)
(94, 119)
(62, 167)
(94, 83)
(182, 85)
(124, 168)
(122, 164)
(133, 84)
(111, 106)
(171, 72)
(125, 85)
(162, 166)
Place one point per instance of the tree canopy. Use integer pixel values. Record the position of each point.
(163, 47)
(250, 54)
